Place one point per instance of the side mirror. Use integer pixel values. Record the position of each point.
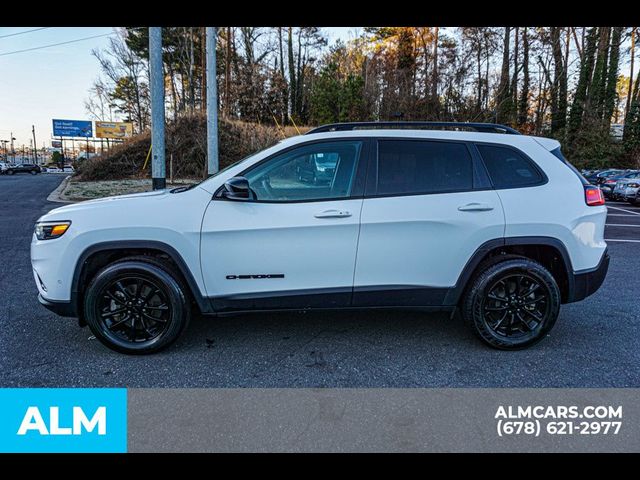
(237, 188)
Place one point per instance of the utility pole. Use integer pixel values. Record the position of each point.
(156, 74)
(35, 145)
(212, 102)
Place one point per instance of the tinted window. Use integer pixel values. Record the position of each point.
(409, 167)
(311, 172)
(508, 168)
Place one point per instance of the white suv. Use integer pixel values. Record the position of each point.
(418, 215)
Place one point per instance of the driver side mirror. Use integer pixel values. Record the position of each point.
(237, 188)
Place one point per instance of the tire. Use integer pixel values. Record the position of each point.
(10, 172)
(520, 320)
(150, 318)
(33, 172)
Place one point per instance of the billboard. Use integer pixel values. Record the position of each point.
(114, 129)
(72, 128)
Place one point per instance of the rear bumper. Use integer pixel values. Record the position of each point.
(63, 309)
(587, 282)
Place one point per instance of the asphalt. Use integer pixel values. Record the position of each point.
(595, 343)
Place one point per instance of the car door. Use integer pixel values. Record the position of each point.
(294, 246)
(428, 206)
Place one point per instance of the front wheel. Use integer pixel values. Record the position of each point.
(137, 306)
(10, 172)
(512, 304)
(33, 172)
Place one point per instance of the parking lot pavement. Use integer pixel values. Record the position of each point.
(594, 344)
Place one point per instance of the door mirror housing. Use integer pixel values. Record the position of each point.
(237, 188)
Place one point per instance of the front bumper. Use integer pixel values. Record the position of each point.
(587, 282)
(63, 309)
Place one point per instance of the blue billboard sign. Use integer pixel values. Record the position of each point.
(72, 128)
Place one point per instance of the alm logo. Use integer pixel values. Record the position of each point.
(33, 421)
(63, 420)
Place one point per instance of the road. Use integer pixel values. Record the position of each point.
(595, 343)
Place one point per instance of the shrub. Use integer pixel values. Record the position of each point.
(186, 143)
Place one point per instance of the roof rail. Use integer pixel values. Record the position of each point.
(478, 127)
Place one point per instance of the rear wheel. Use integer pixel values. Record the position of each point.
(137, 306)
(33, 172)
(512, 304)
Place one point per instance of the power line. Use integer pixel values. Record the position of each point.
(55, 44)
(22, 33)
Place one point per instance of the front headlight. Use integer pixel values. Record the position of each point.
(633, 185)
(51, 230)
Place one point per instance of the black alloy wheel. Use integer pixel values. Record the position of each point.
(515, 305)
(137, 305)
(134, 309)
(512, 303)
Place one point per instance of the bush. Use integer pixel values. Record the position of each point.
(186, 142)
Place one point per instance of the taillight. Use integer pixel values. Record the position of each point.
(593, 196)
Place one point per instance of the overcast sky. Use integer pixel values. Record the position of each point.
(39, 85)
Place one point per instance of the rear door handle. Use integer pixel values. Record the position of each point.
(475, 207)
(333, 214)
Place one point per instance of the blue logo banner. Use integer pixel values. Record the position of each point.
(72, 128)
(63, 420)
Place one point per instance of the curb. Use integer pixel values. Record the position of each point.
(56, 195)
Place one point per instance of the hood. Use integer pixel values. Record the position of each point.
(117, 200)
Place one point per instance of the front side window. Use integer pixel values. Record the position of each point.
(311, 172)
(407, 167)
(508, 168)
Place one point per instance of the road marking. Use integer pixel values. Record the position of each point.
(624, 210)
(620, 225)
(629, 241)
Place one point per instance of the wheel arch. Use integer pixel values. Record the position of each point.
(101, 254)
(548, 251)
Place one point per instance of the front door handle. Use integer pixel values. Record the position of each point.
(333, 214)
(475, 207)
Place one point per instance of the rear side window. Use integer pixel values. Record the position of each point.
(408, 167)
(508, 168)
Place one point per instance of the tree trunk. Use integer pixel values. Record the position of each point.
(630, 87)
(523, 106)
(597, 92)
(227, 75)
(584, 83)
(516, 70)
(434, 70)
(293, 106)
(503, 95)
(611, 93)
(559, 85)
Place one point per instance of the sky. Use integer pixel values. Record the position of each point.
(43, 84)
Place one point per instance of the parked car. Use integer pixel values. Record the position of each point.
(631, 191)
(3, 167)
(610, 183)
(600, 177)
(24, 168)
(317, 169)
(620, 186)
(415, 216)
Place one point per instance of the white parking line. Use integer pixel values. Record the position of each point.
(620, 225)
(613, 240)
(624, 210)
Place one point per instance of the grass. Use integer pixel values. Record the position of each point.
(79, 191)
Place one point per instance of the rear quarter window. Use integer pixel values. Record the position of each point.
(508, 168)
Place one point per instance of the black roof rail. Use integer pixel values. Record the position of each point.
(478, 127)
